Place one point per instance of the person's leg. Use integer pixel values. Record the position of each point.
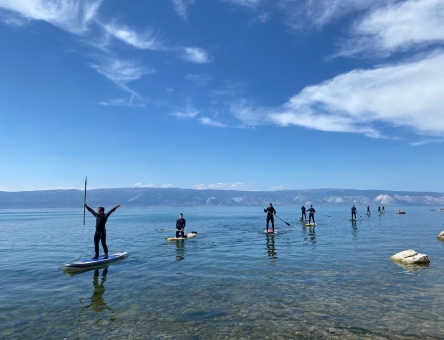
(105, 247)
(96, 244)
(272, 223)
(268, 221)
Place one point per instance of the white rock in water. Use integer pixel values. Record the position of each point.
(410, 256)
(441, 235)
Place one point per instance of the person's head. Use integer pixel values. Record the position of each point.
(311, 206)
(100, 210)
(180, 215)
(270, 205)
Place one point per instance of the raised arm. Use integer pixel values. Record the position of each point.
(90, 210)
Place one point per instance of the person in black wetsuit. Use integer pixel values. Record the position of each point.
(180, 226)
(304, 216)
(311, 214)
(353, 212)
(100, 234)
(270, 215)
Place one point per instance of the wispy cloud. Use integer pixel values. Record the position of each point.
(133, 100)
(70, 15)
(211, 122)
(196, 55)
(188, 112)
(397, 28)
(148, 40)
(222, 186)
(121, 72)
(245, 3)
(305, 14)
(181, 7)
(406, 95)
(428, 141)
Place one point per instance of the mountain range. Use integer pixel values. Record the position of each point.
(139, 197)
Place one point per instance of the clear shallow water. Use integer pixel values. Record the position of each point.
(230, 282)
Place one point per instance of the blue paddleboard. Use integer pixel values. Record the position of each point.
(86, 263)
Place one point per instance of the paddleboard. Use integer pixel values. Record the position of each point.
(189, 235)
(270, 231)
(353, 219)
(311, 224)
(86, 263)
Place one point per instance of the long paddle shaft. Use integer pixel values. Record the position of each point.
(281, 219)
(84, 201)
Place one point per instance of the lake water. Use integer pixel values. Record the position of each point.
(232, 281)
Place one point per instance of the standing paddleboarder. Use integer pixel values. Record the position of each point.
(304, 216)
(100, 234)
(311, 214)
(180, 226)
(270, 215)
(353, 212)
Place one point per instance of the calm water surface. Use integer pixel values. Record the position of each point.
(232, 281)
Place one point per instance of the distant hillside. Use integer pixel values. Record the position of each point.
(138, 197)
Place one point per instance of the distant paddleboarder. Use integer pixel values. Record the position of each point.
(368, 210)
(270, 215)
(100, 234)
(304, 216)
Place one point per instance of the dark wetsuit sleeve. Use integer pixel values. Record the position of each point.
(91, 211)
(111, 211)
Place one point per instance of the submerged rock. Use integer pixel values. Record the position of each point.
(410, 256)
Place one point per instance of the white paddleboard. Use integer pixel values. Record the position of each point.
(189, 235)
(86, 263)
(311, 224)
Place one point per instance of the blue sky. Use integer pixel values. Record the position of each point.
(222, 94)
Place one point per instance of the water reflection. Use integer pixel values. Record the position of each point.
(98, 305)
(310, 235)
(180, 250)
(412, 268)
(354, 230)
(271, 249)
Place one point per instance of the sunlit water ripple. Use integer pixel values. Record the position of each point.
(232, 281)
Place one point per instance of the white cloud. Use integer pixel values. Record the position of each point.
(148, 40)
(318, 13)
(133, 100)
(121, 72)
(70, 15)
(246, 3)
(406, 95)
(189, 112)
(181, 7)
(398, 27)
(211, 122)
(140, 185)
(196, 55)
(221, 186)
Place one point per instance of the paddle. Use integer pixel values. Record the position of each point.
(84, 202)
(281, 219)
